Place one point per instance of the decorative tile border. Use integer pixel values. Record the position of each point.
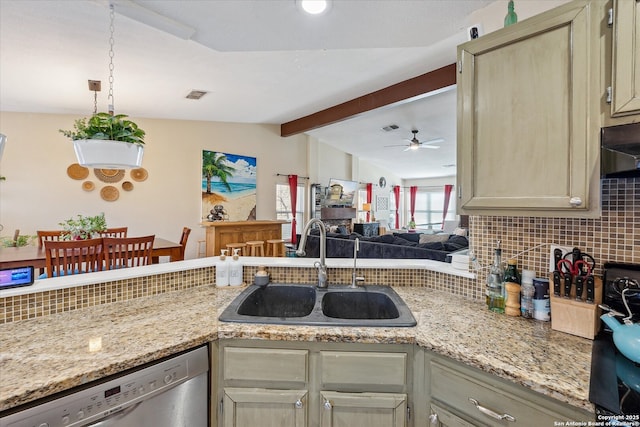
(45, 303)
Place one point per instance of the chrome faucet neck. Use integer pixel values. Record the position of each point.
(322, 265)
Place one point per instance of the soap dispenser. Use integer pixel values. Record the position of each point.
(235, 269)
(222, 270)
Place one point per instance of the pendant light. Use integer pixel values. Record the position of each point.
(107, 140)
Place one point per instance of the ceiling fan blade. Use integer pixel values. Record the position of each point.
(407, 149)
(397, 145)
(429, 146)
(433, 141)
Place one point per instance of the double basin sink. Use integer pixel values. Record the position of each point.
(295, 304)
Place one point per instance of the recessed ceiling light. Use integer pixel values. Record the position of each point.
(314, 7)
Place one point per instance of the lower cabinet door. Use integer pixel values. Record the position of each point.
(440, 417)
(252, 407)
(362, 409)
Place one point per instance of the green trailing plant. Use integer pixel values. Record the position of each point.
(107, 127)
(83, 227)
(9, 242)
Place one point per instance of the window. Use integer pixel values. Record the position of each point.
(429, 205)
(283, 208)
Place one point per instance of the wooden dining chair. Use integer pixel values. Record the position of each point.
(67, 257)
(183, 240)
(50, 235)
(123, 252)
(115, 232)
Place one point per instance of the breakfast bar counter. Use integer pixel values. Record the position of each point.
(45, 355)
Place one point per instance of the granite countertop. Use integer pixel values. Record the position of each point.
(46, 355)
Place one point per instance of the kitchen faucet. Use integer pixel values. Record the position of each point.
(355, 279)
(322, 265)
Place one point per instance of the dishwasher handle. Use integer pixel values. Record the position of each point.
(118, 414)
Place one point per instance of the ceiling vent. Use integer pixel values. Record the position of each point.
(196, 94)
(389, 128)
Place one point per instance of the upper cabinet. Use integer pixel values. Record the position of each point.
(624, 86)
(529, 116)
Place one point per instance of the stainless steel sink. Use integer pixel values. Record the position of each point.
(294, 304)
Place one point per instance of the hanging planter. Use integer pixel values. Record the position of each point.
(107, 142)
(106, 154)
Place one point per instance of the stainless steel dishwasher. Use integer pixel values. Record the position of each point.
(170, 393)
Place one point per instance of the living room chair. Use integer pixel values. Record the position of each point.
(124, 252)
(67, 257)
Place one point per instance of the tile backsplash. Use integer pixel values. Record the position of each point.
(614, 237)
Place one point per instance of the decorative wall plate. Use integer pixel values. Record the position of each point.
(75, 171)
(109, 193)
(127, 186)
(109, 175)
(139, 174)
(88, 186)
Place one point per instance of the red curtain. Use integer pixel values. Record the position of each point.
(369, 195)
(413, 191)
(293, 192)
(447, 196)
(396, 195)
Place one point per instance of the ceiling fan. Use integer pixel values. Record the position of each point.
(414, 143)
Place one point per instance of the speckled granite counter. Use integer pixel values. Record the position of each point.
(46, 355)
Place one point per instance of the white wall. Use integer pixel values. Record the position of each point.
(38, 194)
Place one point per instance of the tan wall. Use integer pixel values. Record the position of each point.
(38, 194)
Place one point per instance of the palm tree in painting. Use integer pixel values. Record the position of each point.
(215, 165)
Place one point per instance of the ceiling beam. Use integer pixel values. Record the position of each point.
(399, 92)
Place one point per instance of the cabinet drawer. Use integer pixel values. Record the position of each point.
(363, 368)
(265, 364)
(454, 389)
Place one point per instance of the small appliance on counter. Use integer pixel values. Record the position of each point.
(614, 386)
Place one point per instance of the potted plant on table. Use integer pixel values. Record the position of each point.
(107, 141)
(83, 227)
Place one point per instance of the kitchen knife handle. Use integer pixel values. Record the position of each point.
(556, 283)
(579, 287)
(591, 289)
(568, 279)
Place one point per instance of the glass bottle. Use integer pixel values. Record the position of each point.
(511, 17)
(495, 283)
(512, 288)
(526, 291)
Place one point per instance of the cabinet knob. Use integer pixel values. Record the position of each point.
(327, 405)
(490, 412)
(575, 201)
(299, 404)
(434, 421)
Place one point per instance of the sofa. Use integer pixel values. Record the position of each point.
(388, 246)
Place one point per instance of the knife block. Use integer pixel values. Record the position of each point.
(576, 317)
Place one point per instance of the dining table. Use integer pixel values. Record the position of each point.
(24, 256)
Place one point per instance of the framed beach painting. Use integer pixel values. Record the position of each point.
(228, 187)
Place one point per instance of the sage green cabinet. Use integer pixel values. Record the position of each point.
(625, 74)
(529, 116)
(296, 384)
(462, 396)
(363, 409)
(251, 407)
(440, 417)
